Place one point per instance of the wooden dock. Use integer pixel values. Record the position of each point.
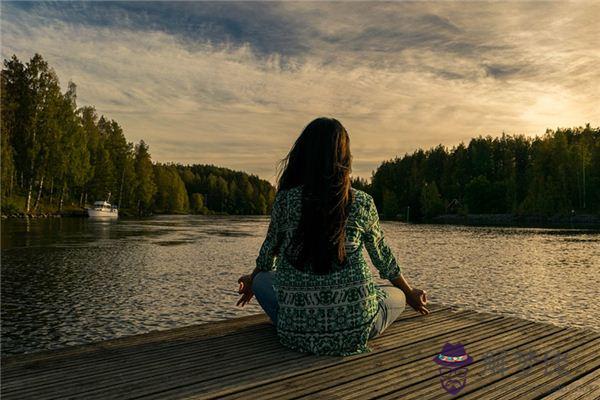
(242, 358)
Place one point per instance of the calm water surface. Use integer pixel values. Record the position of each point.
(71, 281)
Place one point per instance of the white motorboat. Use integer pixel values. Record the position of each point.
(103, 210)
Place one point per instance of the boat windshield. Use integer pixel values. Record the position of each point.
(102, 205)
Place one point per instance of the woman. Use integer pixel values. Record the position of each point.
(311, 277)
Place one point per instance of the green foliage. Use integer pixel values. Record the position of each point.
(391, 206)
(171, 195)
(361, 184)
(145, 186)
(10, 206)
(478, 194)
(61, 154)
(7, 167)
(431, 201)
(197, 204)
(226, 191)
(54, 153)
(55, 156)
(547, 175)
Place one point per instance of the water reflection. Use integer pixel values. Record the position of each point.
(69, 281)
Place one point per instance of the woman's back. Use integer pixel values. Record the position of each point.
(331, 313)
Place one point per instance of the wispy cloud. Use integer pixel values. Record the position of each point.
(234, 83)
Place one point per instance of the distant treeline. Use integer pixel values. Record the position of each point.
(56, 156)
(556, 174)
(204, 189)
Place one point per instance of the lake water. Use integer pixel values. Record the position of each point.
(71, 281)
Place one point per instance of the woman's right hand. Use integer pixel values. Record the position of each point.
(245, 289)
(417, 298)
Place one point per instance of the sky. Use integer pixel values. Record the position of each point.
(233, 84)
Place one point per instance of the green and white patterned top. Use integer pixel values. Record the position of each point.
(327, 314)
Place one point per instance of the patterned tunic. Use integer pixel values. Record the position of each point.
(327, 314)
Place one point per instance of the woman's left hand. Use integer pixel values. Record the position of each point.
(417, 299)
(245, 289)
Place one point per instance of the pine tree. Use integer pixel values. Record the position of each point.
(145, 188)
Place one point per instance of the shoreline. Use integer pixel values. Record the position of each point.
(579, 221)
(582, 221)
(67, 214)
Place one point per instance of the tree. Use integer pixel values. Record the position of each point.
(390, 208)
(145, 188)
(7, 162)
(70, 157)
(171, 195)
(432, 203)
(478, 195)
(15, 110)
(51, 150)
(361, 184)
(197, 204)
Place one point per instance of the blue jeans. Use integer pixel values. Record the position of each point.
(388, 311)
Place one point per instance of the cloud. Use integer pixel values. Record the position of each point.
(233, 84)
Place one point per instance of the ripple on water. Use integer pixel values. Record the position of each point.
(71, 281)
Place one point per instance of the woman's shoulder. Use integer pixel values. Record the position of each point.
(361, 198)
(296, 190)
(285, 196)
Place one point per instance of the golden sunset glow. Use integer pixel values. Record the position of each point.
(234, 83)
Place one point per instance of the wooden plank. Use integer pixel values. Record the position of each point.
(269, 375)
(207, 330)
(199, 355)
(538, 381)
(260, 378)
(177, 362)
(242, 358)
(184, 373)
(480, 373)
(209, 350)
(310, 381)
(410, 370)
(204, 372)
(165, 343)
(204, 334)
(586, 387)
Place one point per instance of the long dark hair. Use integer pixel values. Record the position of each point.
(320, 161)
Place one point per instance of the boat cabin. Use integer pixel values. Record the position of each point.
(103, 205)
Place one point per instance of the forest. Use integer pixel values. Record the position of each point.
(554, 174)
(57, 157)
